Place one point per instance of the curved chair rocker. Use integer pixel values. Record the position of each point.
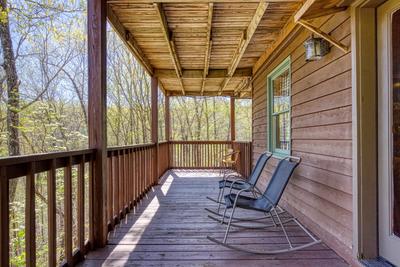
(239, 183)
(266, 203)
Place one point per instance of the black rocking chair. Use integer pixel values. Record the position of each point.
(268, 204)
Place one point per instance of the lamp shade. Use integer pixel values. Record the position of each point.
(316, 48)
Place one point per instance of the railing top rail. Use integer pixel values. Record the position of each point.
(117, 148)
(16, 160)
(200, 142)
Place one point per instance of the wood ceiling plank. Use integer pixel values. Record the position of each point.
(198, 74)
(287, 30)
(128, 39)
(171, 44)
(207, 56)
(244, 41)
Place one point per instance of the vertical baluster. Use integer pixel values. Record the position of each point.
(51, 211)
(5, 219)
(120, 185)
(127, 182)
(114, 156)
(91, 211)
(130, 186)
(135, 175)
(148, 168)
(68, 211)
(142, 173)
(81, 205)
(110, 184)
(30, 229)
(125, 178)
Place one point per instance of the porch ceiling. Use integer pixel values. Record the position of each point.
(204, 47)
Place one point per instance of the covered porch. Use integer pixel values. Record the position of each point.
(168, 227)
(144, 204)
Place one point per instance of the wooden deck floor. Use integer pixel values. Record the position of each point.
(170, 226)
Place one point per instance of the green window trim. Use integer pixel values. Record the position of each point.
(273, 116)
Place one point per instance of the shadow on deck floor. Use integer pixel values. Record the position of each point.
(170, 226)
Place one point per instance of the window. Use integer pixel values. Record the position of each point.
(279, 86)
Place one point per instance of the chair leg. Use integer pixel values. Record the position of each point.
(221, 196)
(283, 228)
(229, 224)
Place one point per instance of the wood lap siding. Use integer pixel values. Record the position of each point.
(320, 193)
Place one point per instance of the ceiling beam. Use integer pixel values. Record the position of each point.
(303, 10)
(242, 86)
(305, 13)
(198, 74)
(129, 41)
(207, 55)
(244, 41)
(171, 45)
(286, 31)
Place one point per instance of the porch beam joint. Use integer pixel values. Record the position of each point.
(129, 40)
(207, 55)
(170, 42)
(244, 42)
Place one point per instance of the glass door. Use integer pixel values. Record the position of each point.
(389, 130)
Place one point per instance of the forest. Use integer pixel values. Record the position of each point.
(43, 102)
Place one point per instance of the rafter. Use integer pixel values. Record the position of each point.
(242, 85)
(290, 28)
(244, 42)
(198, 74)
(312, 9)
(326, 36)
(129, 41)
(303, 10)
(171, 45)
(207, 55)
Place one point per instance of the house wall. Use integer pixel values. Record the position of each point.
(320, 192)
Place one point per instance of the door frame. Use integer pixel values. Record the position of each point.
(388, 242)
(365, 148)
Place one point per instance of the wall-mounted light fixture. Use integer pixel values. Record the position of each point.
(316, 48)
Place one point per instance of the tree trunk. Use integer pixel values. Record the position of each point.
(12, 84)
(12, 91)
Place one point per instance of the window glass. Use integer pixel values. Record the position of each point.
(279, 86)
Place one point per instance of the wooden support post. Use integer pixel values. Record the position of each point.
(233, 126)
(154, 126)
(97, 65)
(168, 127)
(167, 119)
(5, 219)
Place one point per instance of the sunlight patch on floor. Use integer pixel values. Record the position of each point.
(167, 184)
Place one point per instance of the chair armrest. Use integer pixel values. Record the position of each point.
(236, 182)
(268, 199)
(237, 177)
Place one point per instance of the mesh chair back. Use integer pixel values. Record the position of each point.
(279, 180)
(256, 173)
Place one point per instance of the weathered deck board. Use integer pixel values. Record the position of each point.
(170, 226)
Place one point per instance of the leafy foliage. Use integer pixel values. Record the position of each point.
(50, 48)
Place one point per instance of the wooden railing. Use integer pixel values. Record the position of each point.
(131, 172)
(163, 158)
(29, 168)
(198, 154)
(208, 155)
